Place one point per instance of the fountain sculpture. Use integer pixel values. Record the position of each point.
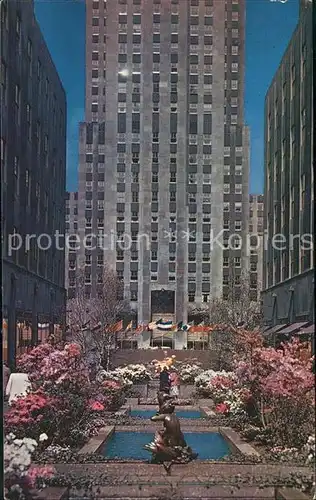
(169, 445)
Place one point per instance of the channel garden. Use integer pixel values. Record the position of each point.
(80, 431)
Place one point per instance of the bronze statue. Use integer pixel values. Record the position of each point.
(164, 400)
(169, 445)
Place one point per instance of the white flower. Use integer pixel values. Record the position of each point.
(43, 437)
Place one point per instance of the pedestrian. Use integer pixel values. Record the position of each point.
(164, 380)
(174, 383)
(6, 375)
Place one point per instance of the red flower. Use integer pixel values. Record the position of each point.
(96, 406)
(222, 408)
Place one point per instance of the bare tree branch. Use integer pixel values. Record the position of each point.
(84, 314)
(238, 309)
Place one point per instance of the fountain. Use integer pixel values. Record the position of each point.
(169, 445)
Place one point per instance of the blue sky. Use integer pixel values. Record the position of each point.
(269, 26)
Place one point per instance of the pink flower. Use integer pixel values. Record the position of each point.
(37, 472)
(96, 406)
(222, 408)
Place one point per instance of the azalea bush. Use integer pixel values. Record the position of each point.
(310, 450)
(31, 415)
(48, 367)
(204, 381)
(126, 375)
(188, 371)
(20, 478)
(282, 386)
(62, 400)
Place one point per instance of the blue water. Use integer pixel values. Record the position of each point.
(208, 445)
(150, 413)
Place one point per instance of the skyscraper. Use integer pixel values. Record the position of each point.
(288, 291)
(164, 148)
(33, 179)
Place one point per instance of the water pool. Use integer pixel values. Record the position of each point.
(150, 413)
(129, 445)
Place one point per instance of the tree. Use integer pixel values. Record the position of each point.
(91, 319)
(238, 307)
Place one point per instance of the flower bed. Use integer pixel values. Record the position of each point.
(63, 405)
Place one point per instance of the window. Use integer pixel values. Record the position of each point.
(206, 198)
(237, 261)
(172, 195)
(134, 296)
(191, 297)
(226, 188)
(207, 178)
(238, 188)
(237, 225)
(135, 197)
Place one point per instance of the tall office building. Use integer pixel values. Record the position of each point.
(164, 148)
(288, 294)
(33, 176)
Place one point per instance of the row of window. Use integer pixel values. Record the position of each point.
(227, 207)
(228, 169)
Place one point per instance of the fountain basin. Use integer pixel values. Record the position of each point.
(129, 445)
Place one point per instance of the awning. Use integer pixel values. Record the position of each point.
(272, 330)
(295, 327)
(308, 330)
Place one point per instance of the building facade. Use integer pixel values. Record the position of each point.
(71, 232)
(288, 291)
(33, 173)
(164, 152)
(256, 234)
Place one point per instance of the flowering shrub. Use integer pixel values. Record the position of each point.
(126, 375)
(50, 367)
(31, 415)
(281, 383)
(284, 454)
(30, 361)
(96, 405)
(37, 476)
(222, 408)
(204, 381)
(63, 399)
(310, 449)
(18, 476)
(188, 371)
